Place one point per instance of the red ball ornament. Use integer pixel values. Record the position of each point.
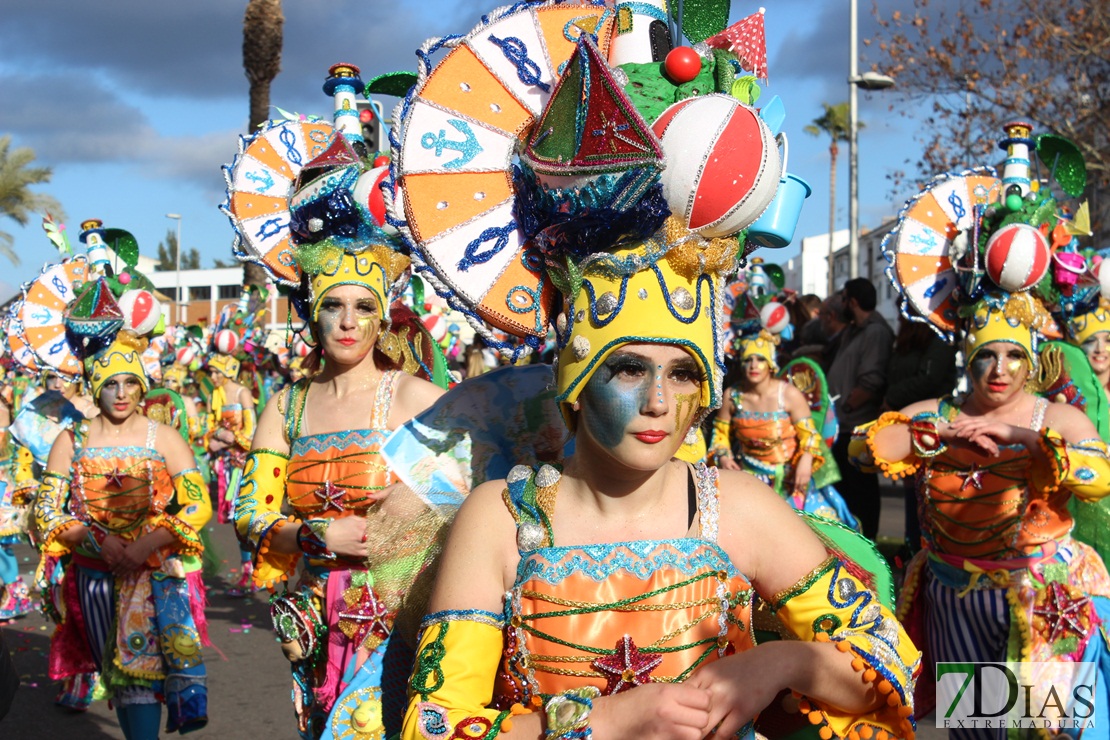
(682, 64)
(382, 160)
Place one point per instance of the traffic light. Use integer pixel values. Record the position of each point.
(371, 117)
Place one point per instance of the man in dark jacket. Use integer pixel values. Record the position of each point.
(857, 380)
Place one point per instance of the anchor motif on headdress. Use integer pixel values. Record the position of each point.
(468, 148)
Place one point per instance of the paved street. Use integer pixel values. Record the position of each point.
(248, 677)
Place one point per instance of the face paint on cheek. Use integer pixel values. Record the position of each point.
(980, 366)
(659, 384)
(329, 323)
(609, 406)
(1013, 367)
(686, 409)
(366, 325)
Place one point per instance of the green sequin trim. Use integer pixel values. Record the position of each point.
(259, 450)
(428, 665)
(803, 585)
(827, 623)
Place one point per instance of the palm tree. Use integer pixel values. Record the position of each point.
(262, 38)
(834, 122)
(17, 202)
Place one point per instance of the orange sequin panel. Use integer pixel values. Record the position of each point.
(329, 474)
(120, 487)
(615, 615)
(984, 507)
(769, 438)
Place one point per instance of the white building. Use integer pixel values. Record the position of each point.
(204, 293)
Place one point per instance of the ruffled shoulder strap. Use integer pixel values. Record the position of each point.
(708, 510)
(296, 395)
(530, 497)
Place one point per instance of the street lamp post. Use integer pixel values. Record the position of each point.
(868, 81)
(177, 291)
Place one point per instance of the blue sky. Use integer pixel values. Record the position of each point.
(136, 104)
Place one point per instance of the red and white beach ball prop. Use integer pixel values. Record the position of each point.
(1017, 257)
(185, 355)
(226, 341)
(1102, 270)
(774, 317)
(723, 165)
(436, 326)
(141, 310)
(367, 190)
(300, 347)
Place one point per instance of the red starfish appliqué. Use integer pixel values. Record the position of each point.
(115, 478)
(364, 616)
(331, 496)
(627, 667)
(973, 477)
(1061, 613)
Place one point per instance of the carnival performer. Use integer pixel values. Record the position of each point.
(764, 428)
(15, 598)
(1000, 576)
(316, 451)
(121, 499)
(616, 594)
(231, 427)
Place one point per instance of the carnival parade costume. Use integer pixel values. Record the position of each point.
(337, 622)
(770, 444)
(143, 632)
(516, 247)
(1000, 576)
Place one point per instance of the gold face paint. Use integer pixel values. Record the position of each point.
(1013, 367)
(686, 410)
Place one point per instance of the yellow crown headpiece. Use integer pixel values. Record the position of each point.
(1085, 326)
(762, 345)
(174, 375)
(675, 300)
(1017, 319)
(328, 266)
(225, 365)
(123, 357)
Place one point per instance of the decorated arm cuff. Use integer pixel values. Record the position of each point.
(193, 504)
(245, 436)
(809, 442)
(452, 682)
(270, 566)
(50, 515)
(186, 539)
(832, 605)
(1082, 468)
(261, 494)
(862, 448)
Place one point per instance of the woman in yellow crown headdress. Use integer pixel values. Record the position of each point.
(616, 591)
(995, 467)
(122, 498)
(1091, 331)
(316, 452)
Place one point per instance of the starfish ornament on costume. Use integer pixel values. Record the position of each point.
(627, 667)
(1062, 613)
(364, 615)
(973, 477)
(115, 478)
(331, 496)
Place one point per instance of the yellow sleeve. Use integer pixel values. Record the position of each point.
(245, 437)
(193, 505)
(832, 605)
(258, 515)
(23, 475)
(1082, 468)
(186, 540)
(719, 443)
(452, 682)
(50, 514)
(809, 441)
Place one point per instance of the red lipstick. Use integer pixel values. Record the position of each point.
(651, 436)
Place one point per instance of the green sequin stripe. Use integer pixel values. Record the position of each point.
(495, 728)
(612, 651)
(193, 492)
(530, 497)
(428, 665)
(616, 604)
(803, 585)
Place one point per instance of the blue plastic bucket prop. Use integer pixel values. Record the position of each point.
(775, 228)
